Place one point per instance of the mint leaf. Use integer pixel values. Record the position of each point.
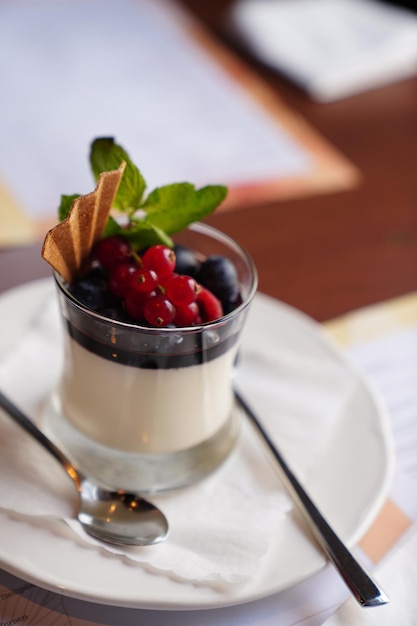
(65, 206)
(166, 210)
(144, 235)
(172, 207)
(209, 198)
(106, 155)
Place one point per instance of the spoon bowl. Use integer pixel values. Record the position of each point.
(120, 517)
(113, 516)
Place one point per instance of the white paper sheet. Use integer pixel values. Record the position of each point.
(72, 70)
(332, 48)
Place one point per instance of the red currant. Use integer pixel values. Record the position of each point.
(210, 307)
(135, 303)
(159, 311)
(161, 259)
(163, 282)
(182, 290)
(187, 314)
(111, 251)
(145, 280)
(120, 277)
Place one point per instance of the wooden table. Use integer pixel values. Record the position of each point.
(330, 253)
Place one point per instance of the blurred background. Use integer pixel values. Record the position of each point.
(306, 109)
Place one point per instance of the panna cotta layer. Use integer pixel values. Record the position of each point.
(145, 410)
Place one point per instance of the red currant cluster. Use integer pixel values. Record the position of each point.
(150, 288)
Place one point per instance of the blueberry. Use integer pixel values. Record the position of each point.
(219, 275)
(186, 261)
(115, 312)
(92, 290)
(229, 305)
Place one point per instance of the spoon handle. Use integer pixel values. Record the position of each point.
(20, 418)
(363, 588)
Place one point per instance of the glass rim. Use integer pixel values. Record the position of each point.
(198, 227)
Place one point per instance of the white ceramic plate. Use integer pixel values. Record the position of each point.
(349, 480)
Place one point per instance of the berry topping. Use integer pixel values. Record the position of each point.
(186, 261)
(149, 291)
(159, 311)
(135, 301)
(145, 280)
(187, 314)
(92, 290)
(182, 290)
(219, 275)
(210, 307)
(111, 251)
(161, 259)
(120, 278)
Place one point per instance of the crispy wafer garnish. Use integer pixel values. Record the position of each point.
(69, 244)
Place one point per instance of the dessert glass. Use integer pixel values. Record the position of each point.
(147, 408)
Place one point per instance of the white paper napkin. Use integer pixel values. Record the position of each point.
(219, 529)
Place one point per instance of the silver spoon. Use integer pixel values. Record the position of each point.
(113, 516)
(363, 588)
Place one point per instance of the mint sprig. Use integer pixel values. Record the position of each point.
(64, 207)
(153, 218)
(172, 207)
(106, 155)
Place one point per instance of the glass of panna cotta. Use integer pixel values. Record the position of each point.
(147, 408)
